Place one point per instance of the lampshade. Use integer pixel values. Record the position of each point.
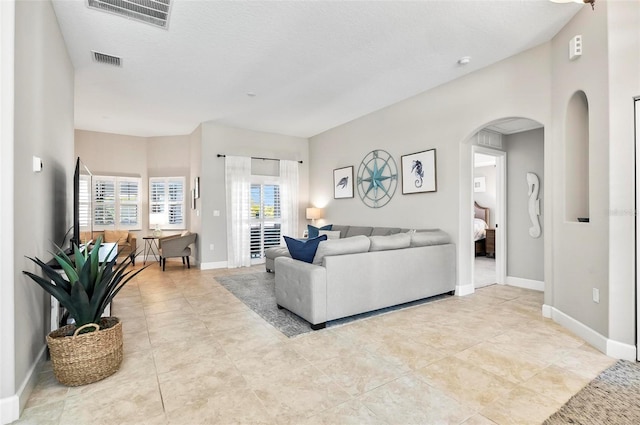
(314, 213)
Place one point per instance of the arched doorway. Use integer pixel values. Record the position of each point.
(517, 145)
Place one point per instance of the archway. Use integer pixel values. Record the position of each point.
(497, 138)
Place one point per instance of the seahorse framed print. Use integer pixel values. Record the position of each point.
(343, 182)
(419, 172)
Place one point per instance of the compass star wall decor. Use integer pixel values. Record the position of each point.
(377, 178)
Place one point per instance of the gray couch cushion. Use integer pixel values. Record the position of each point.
(352, 245)
(431, 237)
(383, 243)
(331, 234)
(343, 229)
(359, 230)
(385, 231)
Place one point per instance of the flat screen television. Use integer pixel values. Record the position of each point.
(82, 223)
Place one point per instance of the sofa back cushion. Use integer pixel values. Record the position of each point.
(342, 229)
(303, 250)
(116, 236)
(331, 234)
(384, 243)
(358, 230)
(342, 246)
(385, 231)
(431, 237)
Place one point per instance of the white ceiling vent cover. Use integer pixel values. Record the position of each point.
(155, 12)
(106, 59)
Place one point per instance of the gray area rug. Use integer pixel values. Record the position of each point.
(613, 397)
(257, 291)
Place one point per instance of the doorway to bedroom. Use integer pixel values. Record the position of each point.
(488, 211)
(511, 191)
(485, 213)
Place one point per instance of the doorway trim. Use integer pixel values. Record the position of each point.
(500, 212)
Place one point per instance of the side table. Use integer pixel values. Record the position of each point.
(149, 242)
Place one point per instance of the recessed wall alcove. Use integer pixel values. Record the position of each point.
(576, 170)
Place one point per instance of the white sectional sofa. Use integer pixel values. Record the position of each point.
(364, 273)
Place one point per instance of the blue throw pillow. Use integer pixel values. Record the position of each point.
(303, 250)
(313, 230)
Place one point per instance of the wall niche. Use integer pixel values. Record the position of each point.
(577, 158)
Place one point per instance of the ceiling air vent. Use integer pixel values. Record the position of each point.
(155, 12)
(106, 59)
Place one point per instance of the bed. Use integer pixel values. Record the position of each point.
(480, 225)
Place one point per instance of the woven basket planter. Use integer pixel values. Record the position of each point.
(85, 358)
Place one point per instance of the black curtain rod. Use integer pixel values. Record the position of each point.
(221, 155)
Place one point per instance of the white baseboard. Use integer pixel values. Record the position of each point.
(520, 282)
(547, 311)
(215, 265)
(611, 348)
(462, 290)
(10, 407)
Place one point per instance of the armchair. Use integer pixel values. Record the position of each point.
(176, 246)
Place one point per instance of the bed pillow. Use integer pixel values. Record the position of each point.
(303, 250)
(314, 231)
(331, 234)
(385, 243)
(432, 237)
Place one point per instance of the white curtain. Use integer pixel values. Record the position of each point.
(238, 181)
(289, 198)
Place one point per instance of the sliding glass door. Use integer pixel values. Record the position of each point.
(266, 219)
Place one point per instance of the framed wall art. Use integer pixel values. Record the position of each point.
(343, 182)
(419, 172)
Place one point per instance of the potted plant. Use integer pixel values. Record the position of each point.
(91, 348)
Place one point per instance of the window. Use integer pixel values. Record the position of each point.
(167, 202)
(266, 219)
(116, 202)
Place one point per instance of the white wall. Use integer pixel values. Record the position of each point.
(624, 83)
(217, 139)
(43, 126)
(525, 255)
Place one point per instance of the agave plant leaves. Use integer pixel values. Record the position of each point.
(89, 286)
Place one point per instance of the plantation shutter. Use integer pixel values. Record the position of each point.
(84, 202)
(265, 217)
(104, 210)
(129, 196)
(167, 202)
(116, 202)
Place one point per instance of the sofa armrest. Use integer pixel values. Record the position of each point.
(131, 239)
(302, 289)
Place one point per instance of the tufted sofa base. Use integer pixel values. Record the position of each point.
(350, 284)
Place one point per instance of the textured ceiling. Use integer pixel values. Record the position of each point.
(312, 65)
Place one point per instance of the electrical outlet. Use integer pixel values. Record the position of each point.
(596, 295)
(210, 247)
(216, 213)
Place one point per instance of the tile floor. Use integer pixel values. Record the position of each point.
(194, 354)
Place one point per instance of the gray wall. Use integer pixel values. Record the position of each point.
(579, 255)
(525, 255)
(144, 157)
(217, 139)
(43, 201)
